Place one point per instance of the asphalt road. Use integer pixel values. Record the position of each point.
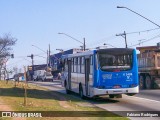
(146, 100)
(150, 94)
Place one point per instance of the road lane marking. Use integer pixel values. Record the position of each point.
(145, 99)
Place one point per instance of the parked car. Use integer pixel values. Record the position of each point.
(19, 77)
(42, 75)
(47, 76)
(38, 75)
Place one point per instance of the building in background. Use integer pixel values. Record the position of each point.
(55, 60)
(55, 65)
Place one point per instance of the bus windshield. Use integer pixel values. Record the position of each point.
(114, 61)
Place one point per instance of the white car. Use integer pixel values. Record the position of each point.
(47, 76)
(38, 74)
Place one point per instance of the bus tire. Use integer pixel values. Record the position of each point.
(131, 94)
(68, 91)
(111, 96)
(119, 96)
(81, 92)
(148, 82)
(141, 82)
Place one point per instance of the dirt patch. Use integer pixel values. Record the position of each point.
(62, 100)
(86, 104)
(6, 107)
(3, 106)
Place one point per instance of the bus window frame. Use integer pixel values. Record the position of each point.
(91, 65)
(79, 64)
(83, 65)
(131, 58)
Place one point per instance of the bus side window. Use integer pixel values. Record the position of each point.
(82, 65)
(79, 65)
(75, 64)
(91, 64)
(65, 65)
(72, 64)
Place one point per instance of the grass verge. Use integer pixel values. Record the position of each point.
(41, 99)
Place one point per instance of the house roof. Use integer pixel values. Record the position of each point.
(147, 47)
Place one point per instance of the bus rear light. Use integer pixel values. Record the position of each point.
(117, 86)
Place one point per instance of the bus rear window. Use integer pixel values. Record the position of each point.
(112, 62)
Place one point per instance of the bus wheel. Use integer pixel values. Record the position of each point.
(141, 82)
(131, 94)
(148, 82)
(119, 96)
(81, 92)
(67, 91)
(111, 96)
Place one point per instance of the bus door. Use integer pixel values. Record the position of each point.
(87, 71)
(69, 74)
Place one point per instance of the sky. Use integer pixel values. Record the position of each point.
(38, 22)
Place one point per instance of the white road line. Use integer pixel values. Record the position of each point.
(145, 99)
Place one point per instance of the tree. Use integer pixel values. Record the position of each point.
(6, 43)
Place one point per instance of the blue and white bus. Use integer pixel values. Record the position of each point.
(111, 71)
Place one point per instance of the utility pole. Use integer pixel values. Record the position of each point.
(32, 57)
(84, 44)
(46, 52)
(124, 36)
(47, 60)
(49, 56)
(25, 87)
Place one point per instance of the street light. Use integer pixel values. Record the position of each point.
(139, 15)
(44, 52)
(39, 48)
(61, 50)
(109, 45)
(76, 40)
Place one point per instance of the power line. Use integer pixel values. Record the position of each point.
(40, 56)
(12, 64)
(147, 40)
(102, 40)
(143, 31)
(113, 36)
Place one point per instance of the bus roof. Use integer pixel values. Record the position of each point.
(116, 50)
(85, 53)
(91, 52)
